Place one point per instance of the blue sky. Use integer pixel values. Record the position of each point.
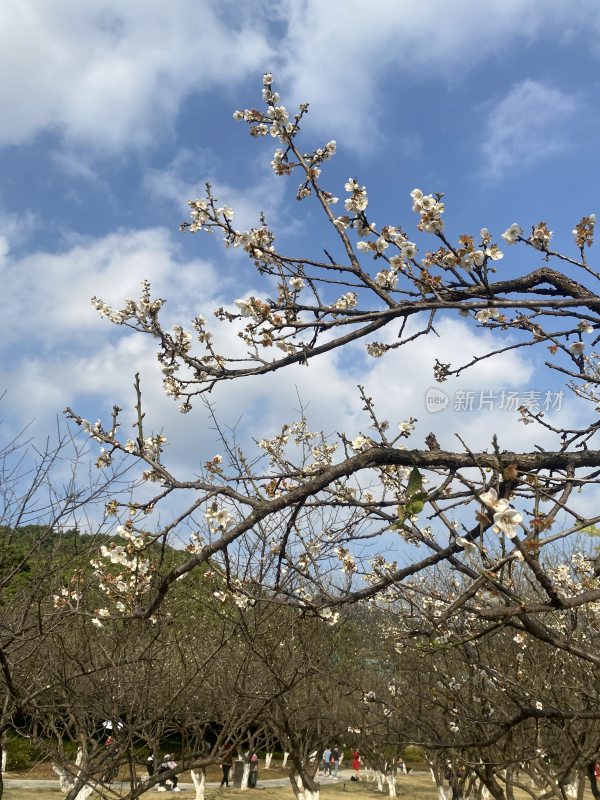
(115, 113)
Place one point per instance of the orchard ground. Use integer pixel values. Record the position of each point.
(417, 786)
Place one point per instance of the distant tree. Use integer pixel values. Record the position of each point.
(44, 492)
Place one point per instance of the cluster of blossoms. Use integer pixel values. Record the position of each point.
(358, 201)
(346, 301)
(242, 601)
(123, 587)
(381, 568)
(218, 519)
(254, 308)
(323, 456)
(584, 231)
(67, 598)
(142, 310)
(361, 442)
(407, 427)
(506, 519)
(430, 209)
(486, 314)
(347, 559)
(377, 349)
(202, 213)
(540, 236)
(329, 616)
(467, 255)
(275, 122)
(258, 242)
(387, 279)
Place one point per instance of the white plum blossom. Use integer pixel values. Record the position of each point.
(245, 307)
(297, 283)
(468, 546)
(329, 616)
(506, 519)
(359, 201)
(585, 326)
(376, 349)
(494, 253)
(512, 234)
(219, 519)
(346, 301)
(387, 279)
(430, 210)
(486, 314)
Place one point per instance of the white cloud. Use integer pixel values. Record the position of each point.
(341, 55)
(47, 295)
(109, 74)
(528, 125)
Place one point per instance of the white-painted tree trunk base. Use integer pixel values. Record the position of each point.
(4, 754)
(199, 780)
(391, 782)
(303, 792)
(245, 775)
(268, 759)
(84, 793)
(441, 790)
(64, 781)
(285, 758)
(380, 778)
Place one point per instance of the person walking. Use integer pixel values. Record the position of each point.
(326, 765)
(226, 765)
(335, 762)
(356, 763)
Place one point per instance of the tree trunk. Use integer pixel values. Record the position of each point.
(245, 775)
(302, 789)
(391, 782)
(285, 758)
(441, 790)
(199, 779)
(380, 778)
(63, 779)
(268, 759)
(591, 773)
(580, 783)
